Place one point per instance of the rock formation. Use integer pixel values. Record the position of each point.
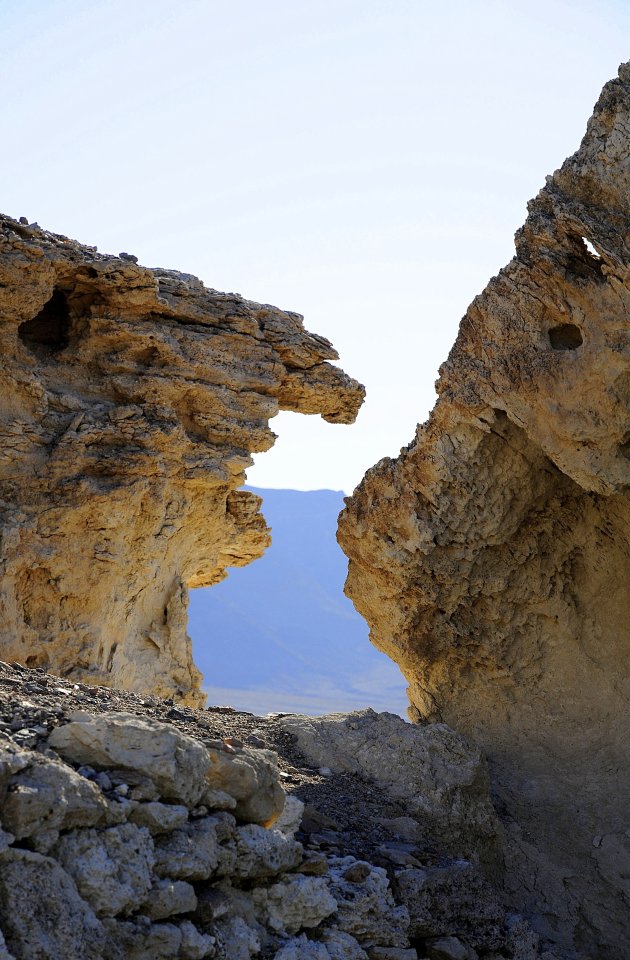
(492, 558)
(135, 830)
(130, 402)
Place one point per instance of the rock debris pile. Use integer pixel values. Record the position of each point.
(492, 558)
(126, 837)
(131, 401)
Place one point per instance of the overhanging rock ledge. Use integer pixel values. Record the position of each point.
(492, 558)
(131, 400)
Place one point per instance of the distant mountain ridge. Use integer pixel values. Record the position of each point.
(279, 635)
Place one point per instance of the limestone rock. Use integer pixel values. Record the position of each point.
(193, 853)
(250, 776)
(451, 898)
(491, 558)
(235, 940)
(439, 776)
(291, 817)
(132, 400)
(449, 948)
(366, 909)
(159, 817)
(111, 868)
(301, 948)
(42, 915)
(264, 853)
(169, 897)
(143, 940)
(294, 903)
(177, 764)
(341, 946)
(44, 797)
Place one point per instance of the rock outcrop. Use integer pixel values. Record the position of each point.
(130, 403)
(492, 558)
(127, 836)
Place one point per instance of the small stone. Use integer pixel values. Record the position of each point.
(128, 256)
(325, 772)
(103, 781)
(159, 817)
(169, 897)
(314, 865)
(357, 872)
(449, 948)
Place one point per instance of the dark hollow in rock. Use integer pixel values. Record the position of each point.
(567, 336)
(49, 331)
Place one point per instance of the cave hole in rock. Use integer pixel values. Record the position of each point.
(49, 331)
(591, 249)
(583, 261)
(566, 336)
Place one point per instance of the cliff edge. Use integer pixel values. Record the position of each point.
(131, 400)
(492, 558)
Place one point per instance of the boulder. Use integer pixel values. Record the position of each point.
(44, 796)
(439, 776)
(43, 916)
(166, 898)
(132, 400)
(264, 853)
(173, 761)
(111, 868)
(294, 903)
(366, 908)
(192, 853)
(490, 559)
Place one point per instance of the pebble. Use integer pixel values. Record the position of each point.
(357, 872)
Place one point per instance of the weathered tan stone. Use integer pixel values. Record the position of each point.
(173, 761)
(131, 402)
(250, 776)
(491, 559)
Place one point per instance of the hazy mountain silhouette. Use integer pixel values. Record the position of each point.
(280, 634)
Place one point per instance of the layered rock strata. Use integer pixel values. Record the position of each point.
(492, 558)
(131, 401)
(124, 836)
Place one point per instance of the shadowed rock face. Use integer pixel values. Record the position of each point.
(130, 402)
(492, 559)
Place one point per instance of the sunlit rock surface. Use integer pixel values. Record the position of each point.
(130, 402)
(492, 558)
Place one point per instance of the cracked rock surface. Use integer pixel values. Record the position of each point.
(492, 558)
(131, 400)
(128, 868)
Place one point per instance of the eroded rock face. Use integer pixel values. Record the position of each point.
(130, 403)
(492, 558)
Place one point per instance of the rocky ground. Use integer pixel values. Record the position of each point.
(396, 836)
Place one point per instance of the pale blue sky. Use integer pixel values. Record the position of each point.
(364, 163)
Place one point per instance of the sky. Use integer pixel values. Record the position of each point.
(363, 162)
